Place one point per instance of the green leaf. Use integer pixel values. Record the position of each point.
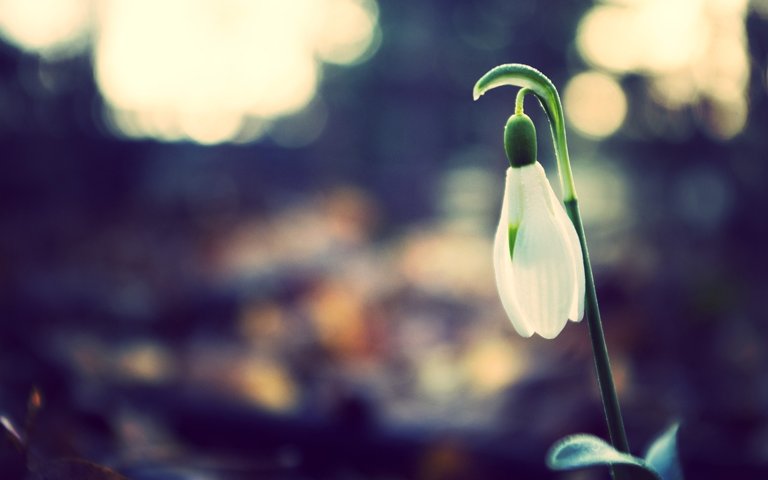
(662, 455)
(584, 451)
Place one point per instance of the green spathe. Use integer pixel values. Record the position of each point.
(520, 140)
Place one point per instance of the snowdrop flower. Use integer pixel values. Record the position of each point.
(541, 259)
(536, 254)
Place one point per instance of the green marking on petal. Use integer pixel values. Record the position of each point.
(512, 236)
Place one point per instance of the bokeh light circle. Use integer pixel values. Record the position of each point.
(595, 104)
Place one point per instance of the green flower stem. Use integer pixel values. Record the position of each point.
(599, 349)
(519, 100)
(531, 80)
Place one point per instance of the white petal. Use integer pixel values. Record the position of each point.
(502, 262)
(576, 311)
(543, 268)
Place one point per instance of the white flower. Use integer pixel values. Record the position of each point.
(537, 256)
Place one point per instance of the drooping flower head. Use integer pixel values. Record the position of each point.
(541, 259)
(536, 254)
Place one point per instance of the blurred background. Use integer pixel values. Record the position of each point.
(252, 238)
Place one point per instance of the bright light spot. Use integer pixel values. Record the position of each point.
(599, 25)
(337, 315)
(206, 70)
(209, 64)
(652, 35)
(493, 364)
(268, 384)
(210, 127)
(673, 91)
(146, 361)
(595, 104)
(447, 260)
(437, 373)
(347, 29)
(726, 119)
(216, 64)
(693, 52)
(51, 27)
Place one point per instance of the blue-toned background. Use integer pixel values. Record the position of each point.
(251, 239)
